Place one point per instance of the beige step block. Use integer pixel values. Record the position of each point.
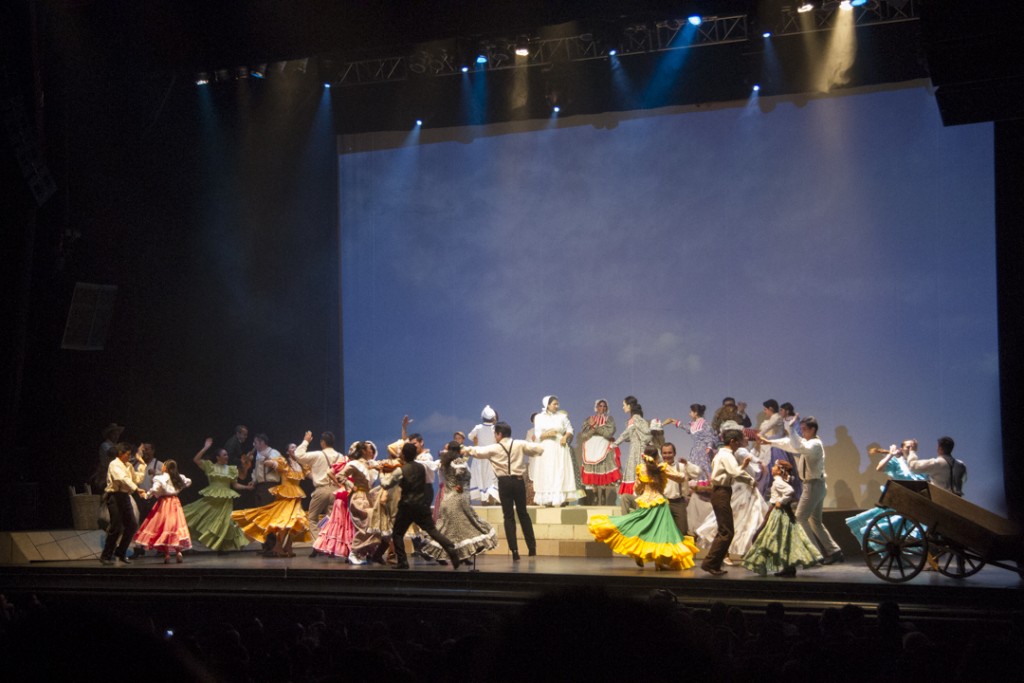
(560, 532)
(549, 515)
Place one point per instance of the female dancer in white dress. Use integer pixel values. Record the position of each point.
(748, 510)
(554, 482)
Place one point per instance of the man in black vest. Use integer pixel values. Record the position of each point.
(414, 507)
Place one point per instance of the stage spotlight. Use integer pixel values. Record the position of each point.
(757, 88)
(465, 69)
(846, 5)
(522, 46)
(556, 109)
(858, 3)
(419, 122)
(612, 52)
(695, 20)
(258, 71)
(481, 59)
(766, 34)
(804, 7)
(202, 78)
(327, 85)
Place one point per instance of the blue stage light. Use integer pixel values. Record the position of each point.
(766, 34)
(419, 122)
(757, 88)
(612, 53)
(327, 85)
(858, 3)
(465, 69)
(556, 109)
(695, 20)
(481, 59)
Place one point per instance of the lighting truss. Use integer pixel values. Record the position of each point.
(674, 34)
(634, 39)
(873, 13)
(376, 70)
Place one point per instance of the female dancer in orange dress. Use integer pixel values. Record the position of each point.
(284, 517)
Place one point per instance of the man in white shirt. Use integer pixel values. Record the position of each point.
(724, 471)
(325, 485)
(122, 480)
(678, 493)
(811, 470)
(940, 468)
(509, 459)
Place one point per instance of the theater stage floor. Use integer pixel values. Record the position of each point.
(992, 594)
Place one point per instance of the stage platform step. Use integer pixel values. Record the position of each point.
(560, 532)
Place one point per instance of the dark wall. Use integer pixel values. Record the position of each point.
(214, 212)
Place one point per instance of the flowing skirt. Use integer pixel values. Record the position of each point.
(554, 482)
(165, 527)
(336, 530)
(748, 511)
(382, 516)
(460, 524)
(781, 544)
(282, 516)
(648, 534)
(209, 520)
(360, 506)
(484, 482)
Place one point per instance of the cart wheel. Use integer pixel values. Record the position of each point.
(895, 548)
(954, 560)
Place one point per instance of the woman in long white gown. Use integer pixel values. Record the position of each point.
(748, 511)
(554, 482)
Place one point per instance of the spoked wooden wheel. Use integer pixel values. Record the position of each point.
(895, 548)
(953, 560)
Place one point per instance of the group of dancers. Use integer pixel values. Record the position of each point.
(752, 497)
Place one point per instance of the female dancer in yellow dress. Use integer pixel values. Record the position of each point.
(649, 532)
(284, 517)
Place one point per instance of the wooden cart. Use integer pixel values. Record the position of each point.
(920, 522)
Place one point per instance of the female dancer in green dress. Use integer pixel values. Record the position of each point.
(209, 518)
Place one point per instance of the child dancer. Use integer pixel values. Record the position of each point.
(164, 527)
(781, 544)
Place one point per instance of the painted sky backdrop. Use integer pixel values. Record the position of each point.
(838, 254)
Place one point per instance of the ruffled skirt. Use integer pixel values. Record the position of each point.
(336, 531)
(782, 543)
(165, 527)
(209, 521)
(648, 534)
(284, 515)
(460, 524)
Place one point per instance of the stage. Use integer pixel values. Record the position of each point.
(499, 584)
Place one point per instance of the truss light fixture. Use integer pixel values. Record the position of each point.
(522, 46)
(695, 20)
(804, 7)
(846, 5)
(202, 78)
